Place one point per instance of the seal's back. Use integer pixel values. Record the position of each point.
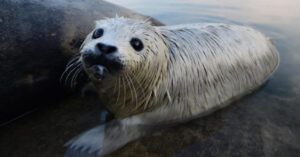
(212, 64)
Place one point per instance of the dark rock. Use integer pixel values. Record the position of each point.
(37, 37)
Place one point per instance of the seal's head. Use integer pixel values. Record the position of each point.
(126, 59)
(119, 45)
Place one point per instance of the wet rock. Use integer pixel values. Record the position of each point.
(36, 40)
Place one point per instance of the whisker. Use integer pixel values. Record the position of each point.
(118, 91)
(71, 71)
(136, 99)
(75, 77)
(124, 93)
(129, 86)
(67, 69)
(140, 86)
(136, 96)
(115, 87)
(73, 59)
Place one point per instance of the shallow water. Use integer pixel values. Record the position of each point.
(265, 123)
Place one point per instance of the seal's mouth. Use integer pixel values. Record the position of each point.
(98, 66)
(97, 71)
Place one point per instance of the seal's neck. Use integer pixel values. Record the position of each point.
(134, 91)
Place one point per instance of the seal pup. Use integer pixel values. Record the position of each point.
(149, 76)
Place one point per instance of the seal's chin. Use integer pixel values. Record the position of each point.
(97, 72)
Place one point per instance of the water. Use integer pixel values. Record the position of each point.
(265, 123)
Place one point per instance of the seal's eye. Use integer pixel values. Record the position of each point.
(137, 44)
(98, 33)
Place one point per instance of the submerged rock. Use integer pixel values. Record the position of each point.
(37, 37)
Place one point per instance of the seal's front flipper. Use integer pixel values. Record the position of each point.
(104, 139)
(87, 144)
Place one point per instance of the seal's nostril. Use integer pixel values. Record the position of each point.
(106, 49)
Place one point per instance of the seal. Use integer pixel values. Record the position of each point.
(148, 75)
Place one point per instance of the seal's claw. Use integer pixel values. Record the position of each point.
(76, 153)
(87, 144)
(105, 138)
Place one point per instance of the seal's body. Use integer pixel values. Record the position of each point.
(210, 65)
(150, 75)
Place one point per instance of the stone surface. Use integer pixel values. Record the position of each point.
(241, 129)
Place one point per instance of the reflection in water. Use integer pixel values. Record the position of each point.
(256, 11)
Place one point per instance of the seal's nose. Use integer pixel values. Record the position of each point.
(106, 49)
(100, 56)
